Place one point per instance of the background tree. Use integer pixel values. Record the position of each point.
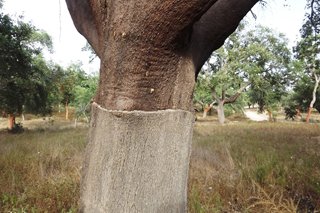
(84, 93)
(269, 59)
(71, 77)
(308, 49)
(141, 129)
(255, 60)
(21, 78)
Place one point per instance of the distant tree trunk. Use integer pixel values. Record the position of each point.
(223, 100)
(298, 112)
(11, 121)
(314, 97)
(206, 110)
(220, 111)
(67, 110)
(270, 115)
(137, 158)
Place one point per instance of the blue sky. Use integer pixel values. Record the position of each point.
(53, 17)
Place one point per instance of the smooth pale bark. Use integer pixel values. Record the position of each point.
(140, 158)
(67, 110)
(220, 111)
(314, 97)
(223, 100)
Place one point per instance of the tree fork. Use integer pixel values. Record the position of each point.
(137, 157)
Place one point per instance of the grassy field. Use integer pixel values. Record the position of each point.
(238, 167)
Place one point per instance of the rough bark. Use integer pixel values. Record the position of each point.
(150, 52)
(132, 166)
(210, 32)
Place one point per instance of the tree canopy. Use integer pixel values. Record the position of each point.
(22, 77)
(256, 61)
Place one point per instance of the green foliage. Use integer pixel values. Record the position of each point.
(22, 81)
(302, 95)
(269, 59)
(290, 112)
(71, 86)
(255, 61)
(84, 93)
(88, 48)
(307, 53)
(202, 93)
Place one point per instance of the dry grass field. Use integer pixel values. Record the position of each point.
(241, 166)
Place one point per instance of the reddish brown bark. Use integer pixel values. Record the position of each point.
(308, 114)
(11, 121)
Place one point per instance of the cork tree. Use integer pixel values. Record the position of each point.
(137, 157)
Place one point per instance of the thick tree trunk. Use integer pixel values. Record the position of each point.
(138, 152)
(140, 158)
(220, 111)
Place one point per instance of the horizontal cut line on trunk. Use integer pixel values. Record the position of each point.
(94, 104)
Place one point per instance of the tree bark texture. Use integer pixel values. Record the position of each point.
(132, 166)
(150, 51)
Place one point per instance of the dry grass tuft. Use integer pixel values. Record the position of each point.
(40, 171)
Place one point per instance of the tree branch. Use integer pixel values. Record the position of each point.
(85, 22)
(234, 97)
(210, 32)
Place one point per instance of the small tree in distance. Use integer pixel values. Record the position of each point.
(308, 49)
(255, 61)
